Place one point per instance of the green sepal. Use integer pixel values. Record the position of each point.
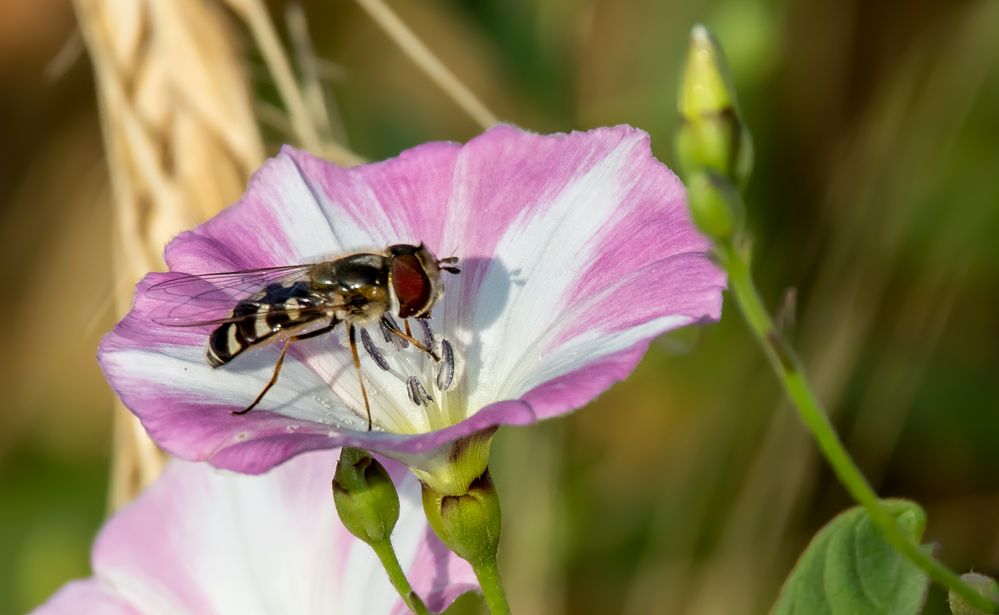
(715, 206)
(848, 568)
(465, 461)
(364, 496)
(468, 524)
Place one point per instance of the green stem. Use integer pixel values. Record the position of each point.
(386, 555)
(487, 572)
(791, 375)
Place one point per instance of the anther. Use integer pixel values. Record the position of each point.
(428, 334)
(445, 373)
(417, 393)
(373, 350)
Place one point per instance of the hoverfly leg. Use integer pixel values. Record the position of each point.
(412, 340)
(280, 362)
(352, 334)
(405, 322)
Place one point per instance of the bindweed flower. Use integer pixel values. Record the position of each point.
(200, 540)
(575, 251)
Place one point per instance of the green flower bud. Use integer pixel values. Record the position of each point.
(364, 496)
(467, 524)
(984, 585)
(711, 135)
(715, 206)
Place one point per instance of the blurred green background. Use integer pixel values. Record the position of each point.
(690, 488)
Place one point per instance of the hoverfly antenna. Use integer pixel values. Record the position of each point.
(449, 264)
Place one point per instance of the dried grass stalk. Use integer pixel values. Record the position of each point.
(425, 60)
(181, 142)
(304, 122)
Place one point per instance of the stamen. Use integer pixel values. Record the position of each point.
(428, 334)
(417, 393)
(373, 350)
(387, 325)
(445, 373)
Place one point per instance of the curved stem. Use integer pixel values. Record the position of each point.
(386, 555)
(487, 572)
(791, 375)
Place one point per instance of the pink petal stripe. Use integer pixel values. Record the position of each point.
(506, 172)
(682, 284)
(400, 200)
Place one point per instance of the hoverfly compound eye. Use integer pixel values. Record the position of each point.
(415, 275)
(412, 285)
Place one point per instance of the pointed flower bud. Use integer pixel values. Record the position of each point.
(715, 205)
(364, 496)
(712, 135)
(468, 524)
(706, 81)
(982, 584)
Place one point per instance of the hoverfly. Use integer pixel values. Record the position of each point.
(254, 307)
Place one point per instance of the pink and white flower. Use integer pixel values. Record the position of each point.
(202, 540)
(576, 250)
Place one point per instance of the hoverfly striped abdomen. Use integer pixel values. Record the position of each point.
(277, 308)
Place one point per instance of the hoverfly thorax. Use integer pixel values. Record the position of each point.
(414, 279)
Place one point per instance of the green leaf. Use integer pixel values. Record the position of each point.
(848, 569)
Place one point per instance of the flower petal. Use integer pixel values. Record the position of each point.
(205, 541)
(87, 597)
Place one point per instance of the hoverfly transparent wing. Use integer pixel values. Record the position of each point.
(189, 300)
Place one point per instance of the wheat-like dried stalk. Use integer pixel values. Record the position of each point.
(181, 142)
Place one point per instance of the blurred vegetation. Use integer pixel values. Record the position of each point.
(690, 488)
